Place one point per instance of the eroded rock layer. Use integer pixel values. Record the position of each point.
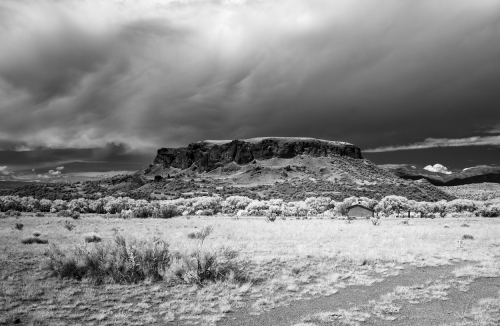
(209, 155)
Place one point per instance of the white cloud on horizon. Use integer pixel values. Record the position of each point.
(52, 172)
(441, 142)
(60, 168)
(438, 168)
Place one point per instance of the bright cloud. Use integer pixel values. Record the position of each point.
(437, 168)
(52, 172)
(60, 168)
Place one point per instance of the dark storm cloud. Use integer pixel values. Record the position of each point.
(69, 160)
(78, 74)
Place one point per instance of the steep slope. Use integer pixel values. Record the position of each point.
(209, 154)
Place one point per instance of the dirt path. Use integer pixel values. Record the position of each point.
(439, 312)
(356, 296)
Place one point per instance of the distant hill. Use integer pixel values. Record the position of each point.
(290, 168)
(475, 191)
(477, 174)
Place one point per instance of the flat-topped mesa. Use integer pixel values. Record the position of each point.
(210, 154)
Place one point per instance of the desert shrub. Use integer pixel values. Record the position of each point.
(492, 210)
(271, 217)
(318, 205)
(199, 265)
(205, 212)
(12, 213)
(69, 226)
(233, 204)
(80, 205)
(39, 214)
(375, 221)
(296, 269)
(465, 225)
(167, 211)
(64, 213)
(92, 237)
(202, 234)
(125, 214)
(68, 213)
(119, 261)
(349, 219)
(58, 205)
(393, 205)
(207, 203)
(19, 226)
(142, 212)
(35, 239)
(467, 237)
(257, 208)
(36, 233)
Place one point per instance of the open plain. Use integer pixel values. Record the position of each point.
(371, 275)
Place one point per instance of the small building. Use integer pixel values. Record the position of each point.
(359, 211)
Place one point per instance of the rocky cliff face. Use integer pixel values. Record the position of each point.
(209, 155)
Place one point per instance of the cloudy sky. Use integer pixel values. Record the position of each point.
(100, 85)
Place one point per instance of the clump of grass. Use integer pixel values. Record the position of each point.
(118, 261)
(19, 226)
(12, 213)
(36, 233)
(69, 226)
(296, 270)
(271, 218)
(39, 214)
(467, 237)
(133, 261)
(465, 225)
(92, 237)
(68, 213)
(167, 211)
(199, 265)
(34, 239)
(202, 234)
(375, 221)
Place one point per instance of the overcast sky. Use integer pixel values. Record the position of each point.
(112, 81)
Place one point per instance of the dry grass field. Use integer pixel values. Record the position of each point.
(283, 261)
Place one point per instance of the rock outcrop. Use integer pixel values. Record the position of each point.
(208, 155)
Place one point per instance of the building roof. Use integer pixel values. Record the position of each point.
(359, 205)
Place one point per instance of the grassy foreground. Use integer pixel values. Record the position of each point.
(286, 260)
